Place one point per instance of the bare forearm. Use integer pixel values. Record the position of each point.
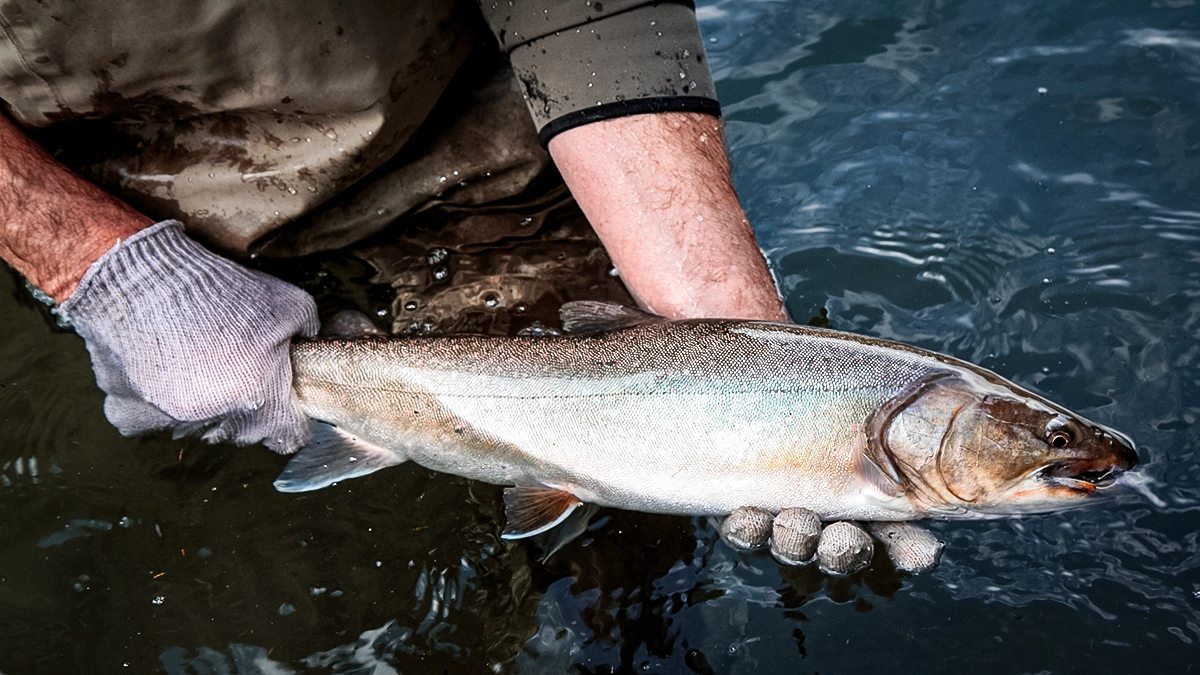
(657, 189)
(54, 224)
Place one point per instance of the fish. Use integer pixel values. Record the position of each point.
(696, 417)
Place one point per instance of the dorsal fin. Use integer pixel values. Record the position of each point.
(584, 317)
(349, 323)
(533, 510)
(332, 455)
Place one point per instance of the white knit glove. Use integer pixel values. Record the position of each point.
(184, 339)
(796, 537)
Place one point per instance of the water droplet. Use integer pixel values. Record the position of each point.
(521, 308)
(411, 306)
(295, 139)
(380, 212)
(382, 312)
(308, 140)
(125, 522)
(379, 563)
(1042, 91)
(212, 175)
(526, 221)
(613, 272)
(286, 609)
(158, 600)
(686, 53)
(1050, 250)
(437, 255)
(291, 190)
(682, 75)
(331, 134)
(712, 40)
(1046, 280)
(440, 273)
(442, 179)
(653, 23)
(491, 301)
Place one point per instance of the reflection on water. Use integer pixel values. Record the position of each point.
(1012, 184)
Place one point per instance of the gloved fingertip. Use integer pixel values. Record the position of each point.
(844, 549)
(747, 528)
(911, 548)
(794, 536)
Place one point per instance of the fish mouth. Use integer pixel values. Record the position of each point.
(1084, 476)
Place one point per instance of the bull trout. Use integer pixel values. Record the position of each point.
(696, 417)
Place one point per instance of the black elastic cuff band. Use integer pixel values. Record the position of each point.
(637, 106)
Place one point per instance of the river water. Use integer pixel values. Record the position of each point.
(1013, 183)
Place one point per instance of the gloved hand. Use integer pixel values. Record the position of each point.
(796, 538)
(182, 338)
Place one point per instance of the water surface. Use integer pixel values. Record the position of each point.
(1011, 183)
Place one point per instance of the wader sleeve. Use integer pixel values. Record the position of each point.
(582, 61)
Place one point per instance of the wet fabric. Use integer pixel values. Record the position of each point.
(239, 117)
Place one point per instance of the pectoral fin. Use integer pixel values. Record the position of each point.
(533, 510)
(332, 455)
(879, 482)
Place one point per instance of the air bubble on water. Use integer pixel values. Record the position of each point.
(455, 173)
(491, 301)
(331, 134)
(212, 175)
(1050, 251)
(520, 308)
(380, 212)
(686, 53)
(712, 40)
(437, 255)
(526, 221)
(316, 591)
(379, 563)
(442, 179)
(286, 609)
(1042, 91)
(1046, 280)
(1045, 369)
(410, 306)
(382, 312)
(158, 600)
(440, 273)
(614, 272)
(125, 522)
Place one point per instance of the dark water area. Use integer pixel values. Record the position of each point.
(1016, 184)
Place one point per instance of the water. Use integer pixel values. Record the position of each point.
(909, 166)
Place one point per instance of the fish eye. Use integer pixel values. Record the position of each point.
(1059, 438)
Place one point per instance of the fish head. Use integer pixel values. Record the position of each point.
(970, 446)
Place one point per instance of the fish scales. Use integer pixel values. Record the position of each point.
(683, 417)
